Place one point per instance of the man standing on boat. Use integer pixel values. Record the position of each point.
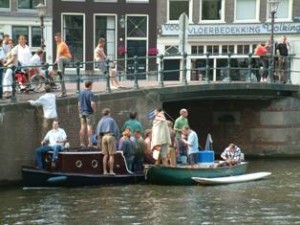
(87, 109)
(180, 122)
(108, 132)
(53, 141)
(232, 155)
(192, 143)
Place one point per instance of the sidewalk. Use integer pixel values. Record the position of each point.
(98, 88)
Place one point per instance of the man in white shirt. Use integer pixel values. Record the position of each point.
(53, 141)
(48, 102)
(36, 60)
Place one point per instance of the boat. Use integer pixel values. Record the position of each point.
(232, 179)
(77, 168)
(182, 174)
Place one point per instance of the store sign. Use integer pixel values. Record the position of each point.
(232, 29)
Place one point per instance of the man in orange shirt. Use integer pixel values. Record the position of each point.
(63, 57)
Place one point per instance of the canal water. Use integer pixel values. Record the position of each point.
(275, 200)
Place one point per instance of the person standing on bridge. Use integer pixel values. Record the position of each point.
(48, 102)
(100, 56)
(63, 58)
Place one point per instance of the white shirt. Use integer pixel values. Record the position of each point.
(35, 60)
(48, 102)
(23, 54)
(55, 137)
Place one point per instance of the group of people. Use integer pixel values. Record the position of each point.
(163, 143)
(280, 60)
(20, 56)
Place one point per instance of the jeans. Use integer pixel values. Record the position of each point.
(138, 164)
(43, 149)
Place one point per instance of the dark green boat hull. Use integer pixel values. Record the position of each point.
(182, 175)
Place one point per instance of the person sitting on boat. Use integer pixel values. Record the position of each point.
(126, 146)
(148, 155)
(53, 141)
(139, 149)
(108, 131)
(232, 155)
(192, 143)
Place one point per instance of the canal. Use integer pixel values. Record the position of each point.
(275, 200)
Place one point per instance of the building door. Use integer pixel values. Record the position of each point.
(171, 69)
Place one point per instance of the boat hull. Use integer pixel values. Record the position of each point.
(182, 175)
(76, 168)
(41, 178)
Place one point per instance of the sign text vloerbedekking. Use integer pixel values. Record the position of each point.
(232, 29)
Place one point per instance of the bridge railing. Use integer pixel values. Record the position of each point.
(190, 68)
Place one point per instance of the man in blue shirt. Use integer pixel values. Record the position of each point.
(108, 132)
(191, 142)
(87, 108)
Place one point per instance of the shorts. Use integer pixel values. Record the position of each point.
(108, 144)
(88, 119)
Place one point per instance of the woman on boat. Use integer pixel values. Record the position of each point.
(160, 137)
(232, 155)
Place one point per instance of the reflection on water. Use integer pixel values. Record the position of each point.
(275, 200)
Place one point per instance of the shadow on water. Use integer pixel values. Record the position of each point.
(275, 200)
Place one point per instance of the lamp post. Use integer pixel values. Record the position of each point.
(273, 6)
(41, 9)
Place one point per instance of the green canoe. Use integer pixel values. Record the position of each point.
(182, 174)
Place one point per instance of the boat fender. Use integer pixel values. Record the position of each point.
(57, 179)
(95, 163)
(78, 163)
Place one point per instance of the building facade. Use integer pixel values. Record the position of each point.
(220, 27)
(129, 27)
(20, 17)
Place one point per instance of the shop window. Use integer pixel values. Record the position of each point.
(32, 34)
(73, 35)
(28, 4)
(4, 4)
(246, 10)
(177, 7)
(212, 9)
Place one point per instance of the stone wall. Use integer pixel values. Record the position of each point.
(20, 125)
(259, 127)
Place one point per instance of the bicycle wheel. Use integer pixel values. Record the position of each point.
(37, 83)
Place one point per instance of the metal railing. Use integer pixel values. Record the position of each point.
(236, 68)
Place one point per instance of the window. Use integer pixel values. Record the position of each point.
(172, 50)
(284, 11)
(177, 7)
(4, 4)
(246, 10)
(32, 34)
(137, 1)
(243, 49)
(106, 27)
(198, 50)
(226, 49)
(136, 42)
(212, 10)
(73, 31)
(28, 4)
(213, 49)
